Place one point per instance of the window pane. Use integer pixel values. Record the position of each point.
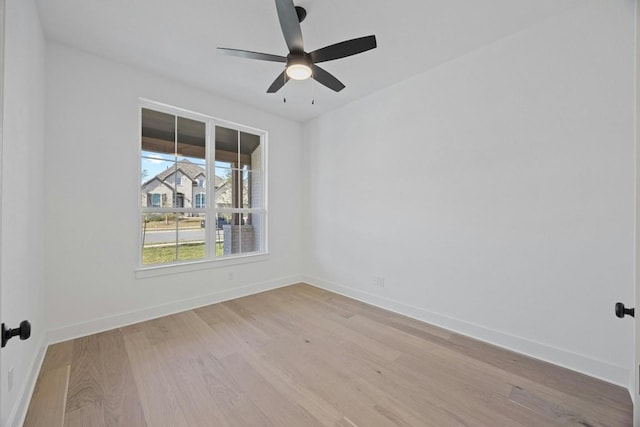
(227, 145)
(158, 132)
(173, 159)
(191, 139)
(249, 150)
(191, 236)
(191, 148)
(170, 237)
(222, 219)
(157, 185)
(241, 233)
(223, 188)
(251, 189)
(238, 188)
(158, 238)
(193, 164)
(255, 220)
(237, 154)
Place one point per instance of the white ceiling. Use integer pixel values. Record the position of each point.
(178, 39)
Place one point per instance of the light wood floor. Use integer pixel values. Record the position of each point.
(301, 356)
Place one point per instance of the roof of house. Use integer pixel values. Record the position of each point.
(191, 170)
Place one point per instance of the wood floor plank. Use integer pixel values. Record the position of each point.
(218, 339)
(274, 404)
(402, 323)
(162, 329)
(57, 356)
(309, 369)
(85, 386)
(261, 315)
(158, 400)
(307, 319)
(359, 396)
(519, 413)
(224, 336)
(197, 377)
(233, 401)
(563, 409)
(564, 380)
(49, 399)
(303, 356)
(88, 415)
(121, 405)
(318, 407)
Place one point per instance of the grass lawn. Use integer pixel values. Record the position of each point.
(190, 222)
(186, 252)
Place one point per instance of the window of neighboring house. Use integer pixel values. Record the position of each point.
(201, 200)
(180, 226)
(154, 200)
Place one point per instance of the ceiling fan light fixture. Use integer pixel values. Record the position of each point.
(298, 71)
(301, 65)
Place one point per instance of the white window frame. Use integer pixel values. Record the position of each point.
(210, 211)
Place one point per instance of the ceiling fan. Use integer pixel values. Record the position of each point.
(301, 65)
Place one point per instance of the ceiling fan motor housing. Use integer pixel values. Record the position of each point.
(299, 58)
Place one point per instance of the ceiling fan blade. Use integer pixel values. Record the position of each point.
(252, 55)
(278, 82)
(325, 78)
(344, 49)
(290, 25)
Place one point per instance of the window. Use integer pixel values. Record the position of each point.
(154, 200)
(224, 163)
(200, 200)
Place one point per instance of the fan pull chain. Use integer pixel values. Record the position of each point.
(313, 90)
(284, 88)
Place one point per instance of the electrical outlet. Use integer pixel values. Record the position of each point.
(230, 275)
(10, 379)
(378, 281)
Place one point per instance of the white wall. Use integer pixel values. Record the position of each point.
(495, 193)
(92, 129)
(22, 232)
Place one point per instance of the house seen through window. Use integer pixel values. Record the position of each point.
(186, 161)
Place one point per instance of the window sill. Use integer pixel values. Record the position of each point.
(163, 270)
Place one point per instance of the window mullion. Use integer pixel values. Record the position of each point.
(209, 179)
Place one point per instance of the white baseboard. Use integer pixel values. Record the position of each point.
(19, 411)
(595, 368)
(123, 319)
